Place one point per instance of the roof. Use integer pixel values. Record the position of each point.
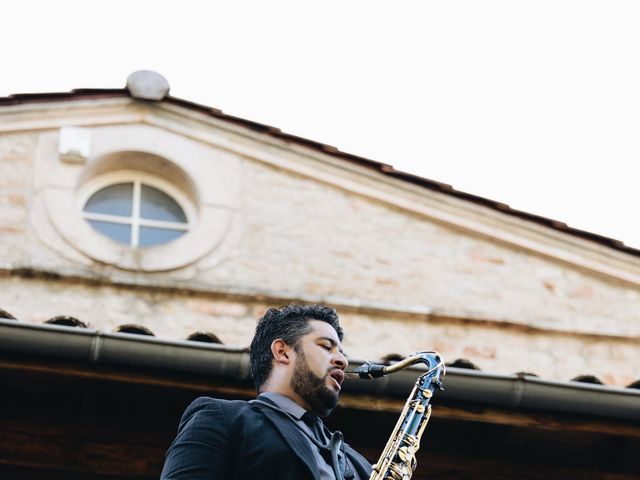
(382, 168)
(71, 339)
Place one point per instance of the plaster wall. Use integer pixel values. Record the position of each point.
(403, 282)
(368, 334)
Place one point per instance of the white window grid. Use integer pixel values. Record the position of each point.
(135, 221)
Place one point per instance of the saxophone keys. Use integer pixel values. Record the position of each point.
(404, 454)
(400, 471)
(407, 453)
(411, 441)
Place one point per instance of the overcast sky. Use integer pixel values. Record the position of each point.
(532, 103)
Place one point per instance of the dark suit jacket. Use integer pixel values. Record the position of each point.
(222, 439)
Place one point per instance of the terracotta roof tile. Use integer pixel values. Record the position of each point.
(6, 315)
(463, 363)
(587, 379)
(205, 337)
(135, 329)
(635, 384)
(66, 321)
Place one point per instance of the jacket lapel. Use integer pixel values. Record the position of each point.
(359, 462)
(293, 436)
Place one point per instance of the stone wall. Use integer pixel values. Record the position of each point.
(16, 159)
(371, 335)
(402, 281)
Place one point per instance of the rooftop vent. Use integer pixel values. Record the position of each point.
(147, 85)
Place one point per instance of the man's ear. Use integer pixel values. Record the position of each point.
(280, 351)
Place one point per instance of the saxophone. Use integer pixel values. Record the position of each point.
(398, 459)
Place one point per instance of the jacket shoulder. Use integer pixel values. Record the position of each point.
(204, 445)
(210, 402)
(214, 406)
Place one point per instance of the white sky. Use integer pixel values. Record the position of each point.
(532, 103)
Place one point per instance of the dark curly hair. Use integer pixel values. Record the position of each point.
(289, 323)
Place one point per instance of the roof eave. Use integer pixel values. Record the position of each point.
(229, 363)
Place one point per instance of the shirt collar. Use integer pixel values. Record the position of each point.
(285, 404)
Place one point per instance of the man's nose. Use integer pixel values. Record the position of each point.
(340, 360)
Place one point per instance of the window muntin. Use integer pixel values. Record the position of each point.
(136, 213)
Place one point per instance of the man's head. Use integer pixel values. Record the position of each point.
(297, 351)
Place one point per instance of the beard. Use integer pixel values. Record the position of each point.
(312, 388)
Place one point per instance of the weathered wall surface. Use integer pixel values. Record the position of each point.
(291, 237)
(303, 236)
(369, 335)
(16, 169)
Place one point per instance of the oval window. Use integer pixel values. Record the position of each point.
(136, 214)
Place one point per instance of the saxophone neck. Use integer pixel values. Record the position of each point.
(433, 361)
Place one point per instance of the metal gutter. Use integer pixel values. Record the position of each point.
(218, 361)
(520, 392)
(92, 346)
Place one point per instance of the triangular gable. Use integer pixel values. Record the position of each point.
(437, 201)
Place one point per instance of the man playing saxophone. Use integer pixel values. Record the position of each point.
(297, 365)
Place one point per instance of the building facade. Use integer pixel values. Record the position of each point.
(162, 218)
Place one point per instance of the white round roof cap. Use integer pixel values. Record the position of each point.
(147, 85)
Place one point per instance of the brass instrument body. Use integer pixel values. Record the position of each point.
(398, 459)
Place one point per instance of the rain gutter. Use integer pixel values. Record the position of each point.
(218, 361)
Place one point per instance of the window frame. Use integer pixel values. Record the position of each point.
(137, 178)
(209, 177)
